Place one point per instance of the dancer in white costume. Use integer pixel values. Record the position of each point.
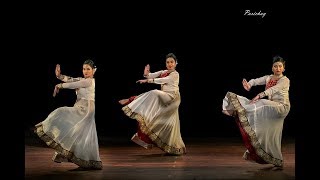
(71, 131)
(157, 110)
(261, 120)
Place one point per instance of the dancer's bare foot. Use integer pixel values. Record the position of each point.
(124, 101)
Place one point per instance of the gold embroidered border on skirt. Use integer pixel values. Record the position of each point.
(69, 155)
(162, 145)
(253, 138)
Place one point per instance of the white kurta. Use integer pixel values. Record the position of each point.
(157, 113)
(71, 131)
(263, 120)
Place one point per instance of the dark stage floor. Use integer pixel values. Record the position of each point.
(206, 158)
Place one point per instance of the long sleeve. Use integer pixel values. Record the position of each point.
(167, 80)
(258, 81)
(282, 85)
(65, 78)
(168, 83)
(83, 83)
(154, 75)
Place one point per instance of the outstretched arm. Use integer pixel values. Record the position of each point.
(78, 84)
(258, 81)
(174, 76)
(72, 85)
(153, 75)
(171, 78)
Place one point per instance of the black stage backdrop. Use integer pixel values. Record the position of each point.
(216, 48)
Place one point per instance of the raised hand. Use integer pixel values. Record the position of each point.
(146, 70)
(58, 71)
(246, 85)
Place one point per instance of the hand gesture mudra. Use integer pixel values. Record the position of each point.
(56, 90)
(58, 71)
(255, 99)
(142, 81)
(246, 85)
(146, 70)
